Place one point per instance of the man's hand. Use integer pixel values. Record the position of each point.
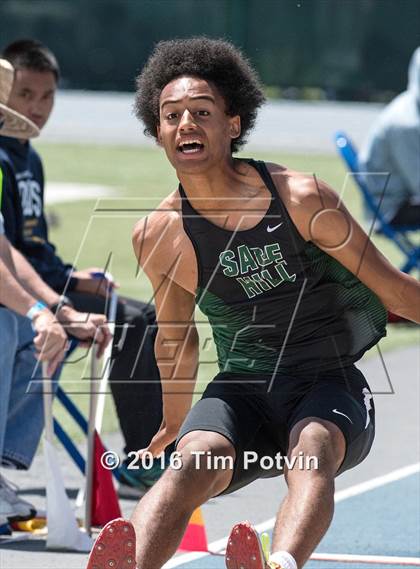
(86, 327)
(91, 284)
(164, 437)
(175, 409)
(50, 340)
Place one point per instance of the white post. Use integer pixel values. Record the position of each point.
(63, 531)
(106, 370)
(94, 367)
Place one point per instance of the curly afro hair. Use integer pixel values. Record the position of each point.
(217, 61)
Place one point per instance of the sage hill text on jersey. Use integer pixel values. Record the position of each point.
(260, 270)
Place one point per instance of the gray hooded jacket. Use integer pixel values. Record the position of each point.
(393, 147)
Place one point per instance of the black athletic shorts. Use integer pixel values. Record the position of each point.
(258, 420)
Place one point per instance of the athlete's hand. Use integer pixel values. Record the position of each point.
(164, 437)
(86, 327)
(50, 340)
(87, 282)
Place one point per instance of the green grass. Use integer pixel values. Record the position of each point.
(143, 175)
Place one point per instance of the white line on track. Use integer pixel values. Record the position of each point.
(356, 490)
(371, 559)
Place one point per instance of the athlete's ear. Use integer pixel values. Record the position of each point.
(235, 126)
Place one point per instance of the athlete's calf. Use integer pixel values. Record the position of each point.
(308, 508)
(162, 515)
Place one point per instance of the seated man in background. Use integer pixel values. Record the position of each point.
(18, 367)
(134, 378)
(32, 326)
(30, 331)
(393, 147)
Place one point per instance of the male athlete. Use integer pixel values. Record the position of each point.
(295, 293)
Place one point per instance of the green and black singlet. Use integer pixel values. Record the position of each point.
(277, 303)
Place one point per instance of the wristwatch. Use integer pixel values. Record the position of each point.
(63, 301)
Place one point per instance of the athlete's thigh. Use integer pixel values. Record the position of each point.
(342, 397)
(229, 407)
(240, 413)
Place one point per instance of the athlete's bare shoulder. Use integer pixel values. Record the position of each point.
(304, 195)
(292, 185)
(166, 215)
(154, 236)
(162, 246)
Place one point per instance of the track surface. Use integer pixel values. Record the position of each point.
(384, 521)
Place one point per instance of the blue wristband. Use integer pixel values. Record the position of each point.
(37, 307)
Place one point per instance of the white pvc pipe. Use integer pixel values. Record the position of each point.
(112, 313)
(47, 400)
(94, 367)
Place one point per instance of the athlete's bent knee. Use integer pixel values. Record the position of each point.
(207, 458)
(321, 439)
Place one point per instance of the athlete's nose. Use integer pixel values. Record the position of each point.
(187, 121)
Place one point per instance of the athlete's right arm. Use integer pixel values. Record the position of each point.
(176, 346)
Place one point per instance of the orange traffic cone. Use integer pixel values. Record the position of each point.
(195, 538)
(105, 506)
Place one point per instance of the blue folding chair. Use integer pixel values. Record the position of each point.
(398, 235)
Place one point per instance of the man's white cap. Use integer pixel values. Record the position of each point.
(12, 123)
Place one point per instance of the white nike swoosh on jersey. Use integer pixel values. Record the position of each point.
(270, 229)
(344, 415)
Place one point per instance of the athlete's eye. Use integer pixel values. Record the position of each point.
(203, 113)
(171, 116)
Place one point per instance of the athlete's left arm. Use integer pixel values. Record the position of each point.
(323, 219)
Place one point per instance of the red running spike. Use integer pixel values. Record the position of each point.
(115, 547)
(244, 549)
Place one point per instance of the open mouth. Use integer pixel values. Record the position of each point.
(190, 147)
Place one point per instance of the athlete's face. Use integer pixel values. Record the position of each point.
(32, 95)
(194, 129)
